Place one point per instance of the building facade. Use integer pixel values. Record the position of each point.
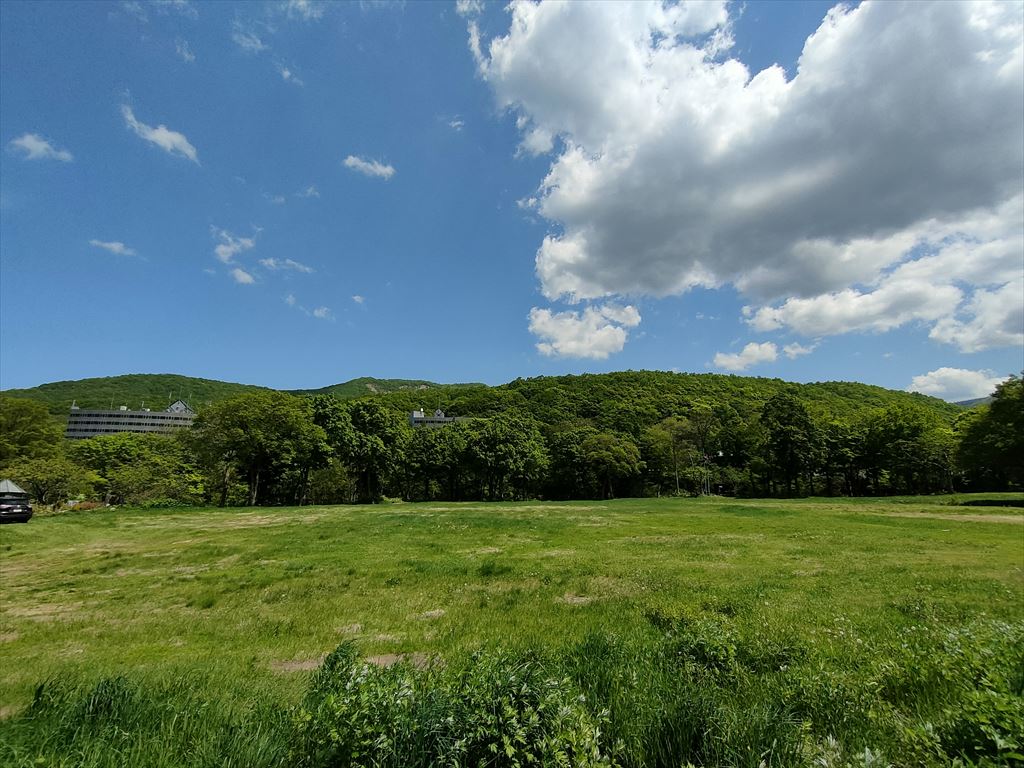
(84, 423)
(436, 419)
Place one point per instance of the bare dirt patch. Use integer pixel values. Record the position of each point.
(46, 611)
(1014, 519)
(418, 660)
(576, 599)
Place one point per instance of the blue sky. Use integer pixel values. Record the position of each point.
(295, 194)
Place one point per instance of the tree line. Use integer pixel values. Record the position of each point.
(600, 437)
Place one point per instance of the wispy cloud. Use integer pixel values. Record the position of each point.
(358, 299)
(307, 10)
(285, 264)
(242, 277)
(456, 124)
(170, 141)
(323, 313)
(310, 191)
(35, 147)
(369, 167)
(229, 245)
(247, 38)
(289, 299)
(288, 75)
(182, 7)
(184, 51)
(114, 247)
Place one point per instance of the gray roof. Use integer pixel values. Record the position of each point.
(9, 486)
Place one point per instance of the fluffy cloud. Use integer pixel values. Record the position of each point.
(358, 299)
(956, 384)
(170, 141)
(35, 147)
(242, 277)
(752, 354)
(794, 350)
(229, 245)
(835, 200)
(369, 167)
(990, 319)
(594, 333)
(285, 264)
(114, 247)
(323, 313)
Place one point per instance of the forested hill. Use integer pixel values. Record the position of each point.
(632, 400)
(156, 390)
(367, 385)
(622, 401)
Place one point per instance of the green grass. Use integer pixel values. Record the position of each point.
(782, 610)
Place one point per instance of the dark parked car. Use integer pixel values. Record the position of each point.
(14, 503)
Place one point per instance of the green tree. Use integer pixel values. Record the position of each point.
(27, 430)
(992, 439)
(791, 441)
(51, 480)
(509, 454)
(261, 434)
(378, 446)
(613, 458)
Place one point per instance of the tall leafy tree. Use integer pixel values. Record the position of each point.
(992, 442)
(260, 434)
(379, 440)
(614, 459)
(791, 440)
(27, 430)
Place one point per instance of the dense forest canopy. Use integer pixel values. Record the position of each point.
(632, 433)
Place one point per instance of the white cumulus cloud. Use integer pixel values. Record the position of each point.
(369, 167)
(752, 354)
(594, 333)
(323, 313)
(795, 350)
(35, 147)
(878, 185)
(956, 384)
(242, 277)
(170, 141)
(114, 247)
(229, 245)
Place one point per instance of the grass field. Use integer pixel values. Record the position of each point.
(794, 605)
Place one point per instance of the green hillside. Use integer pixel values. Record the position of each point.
(628, 401)
(156, 390)
(367, 385)
(624, 401)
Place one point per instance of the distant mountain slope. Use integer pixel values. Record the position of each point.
(623, 401)
(629, 400)
(366, 385)
(976, 401)
(156, 390)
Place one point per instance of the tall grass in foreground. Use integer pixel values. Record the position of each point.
(693, 692)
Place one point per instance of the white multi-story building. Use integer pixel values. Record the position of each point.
(90, 423)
